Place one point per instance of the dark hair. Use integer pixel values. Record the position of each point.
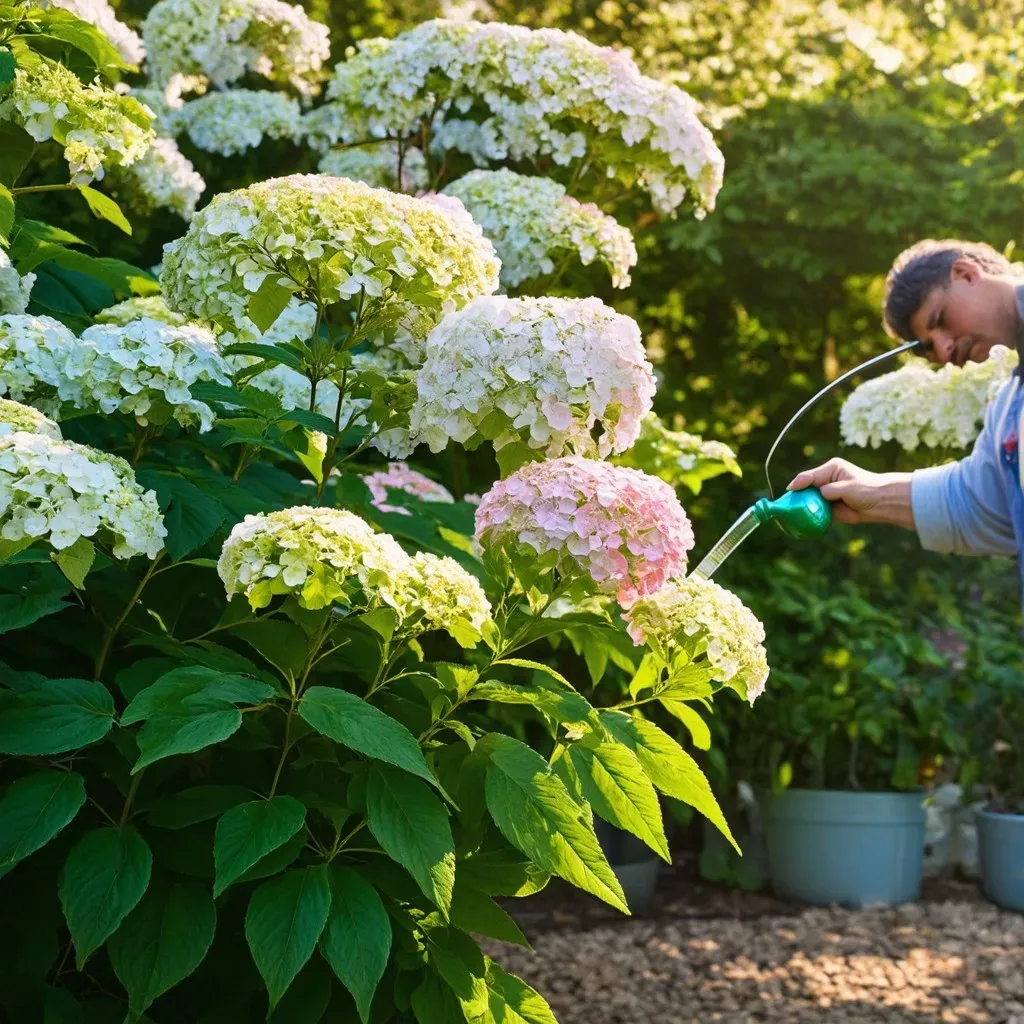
(925, 266)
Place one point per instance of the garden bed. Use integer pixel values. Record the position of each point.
(710, 954)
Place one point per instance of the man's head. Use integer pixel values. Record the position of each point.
(957, 298)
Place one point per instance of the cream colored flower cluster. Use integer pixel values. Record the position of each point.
(534, 225)
(17, 417)
(61, 491)
(163, 179)
(345, 239)
(324, 556)
(532, 94)
(710, 625)
(144, 368)
(14, 288)
(98, 127)
(221, 40)
(377, 164)
(541, 371)
(231, 122)
(919, 405)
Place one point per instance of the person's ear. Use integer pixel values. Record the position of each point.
(966, 271)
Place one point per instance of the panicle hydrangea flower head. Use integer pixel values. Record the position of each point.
(14, 289)
(400, 477)
(445, 595)
(17, 417)
(535, 93)
(377, 164)
(318, 555)
(354, 239)
(548, 369)
(698, 617)
(145, 369)
(624, 529)
(101, 14)
(533, 223)
(32, 353)
(61, 491)
(220, 40)
(97, 127)
(918, 404)
(238, 120)
(163, 179)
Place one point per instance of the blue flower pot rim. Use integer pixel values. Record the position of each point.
(984, 812)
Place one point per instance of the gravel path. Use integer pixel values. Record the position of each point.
(954, 961)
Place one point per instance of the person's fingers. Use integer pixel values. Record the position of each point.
(819, 475)
(837, 491)
(844, 514)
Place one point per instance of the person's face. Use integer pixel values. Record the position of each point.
(965, 319)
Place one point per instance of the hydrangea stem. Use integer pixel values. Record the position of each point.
(108, 639)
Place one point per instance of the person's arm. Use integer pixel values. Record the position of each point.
(960, 508)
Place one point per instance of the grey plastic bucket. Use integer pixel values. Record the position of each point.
(634, 863)
(1001, 857)
(853, 849)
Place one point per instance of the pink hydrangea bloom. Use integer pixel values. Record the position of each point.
(623, 528)
(400, 477)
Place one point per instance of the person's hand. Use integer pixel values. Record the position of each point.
(859, 496)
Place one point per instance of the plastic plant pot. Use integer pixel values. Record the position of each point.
(1001, 857)
(634, 863)
(852, 849)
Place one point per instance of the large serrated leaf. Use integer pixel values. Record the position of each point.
(55, 716)
(33, 810)
(250, 831)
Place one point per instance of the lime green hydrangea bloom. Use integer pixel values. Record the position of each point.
(404, 262)
(15, 416)
(98, 127)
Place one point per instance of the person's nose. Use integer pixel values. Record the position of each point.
(942, 347)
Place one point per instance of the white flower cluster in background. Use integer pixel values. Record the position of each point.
(537, 92)
(61, 491)
(98, 127)
(238, 120)
(14, 289)
(400, 477)
(165, 103)
(221, 40)
(101, 14)
(144, 368)
(534, 225)
(14, 416)
(153, 306)
(377, 164)
(542, 371)
(919, 405)
(164, 179)
(700, 618)
(353, 239)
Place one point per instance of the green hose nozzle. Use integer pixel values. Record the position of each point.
(801, 514)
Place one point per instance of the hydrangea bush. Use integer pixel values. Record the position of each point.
(271, 707)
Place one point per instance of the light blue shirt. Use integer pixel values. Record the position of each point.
(963, 508)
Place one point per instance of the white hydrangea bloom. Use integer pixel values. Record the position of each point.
(32, 351)
(534, 225)
(920, 405)
(164, 179)
(98, 127)
(238, 120)
(542, 93)
(445, 595)
(223, 39)
(377, 164)
(14, 417)
(547, 369)
(165, 104)
(61, 491)
(318, 555)
(153, 306)
(362, 244)
(101, 14)
(14, 289)
(700, 618)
